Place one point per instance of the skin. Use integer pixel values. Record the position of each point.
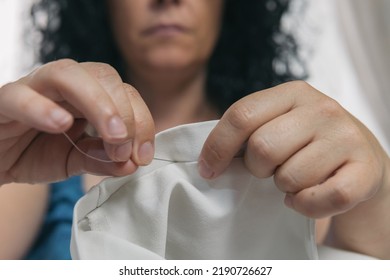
(331, 164)
(22, 209)
(56, 97)
(166, 46)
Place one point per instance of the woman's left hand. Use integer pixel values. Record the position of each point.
(323, 158)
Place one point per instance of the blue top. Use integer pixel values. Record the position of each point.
(53, 241)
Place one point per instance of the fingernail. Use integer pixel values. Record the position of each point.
(146, 152)
(204, 170)
(117, 128)
(123, 152)
(60, 117)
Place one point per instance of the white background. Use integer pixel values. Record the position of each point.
(15, 58)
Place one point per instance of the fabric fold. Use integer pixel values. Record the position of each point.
(171, 212)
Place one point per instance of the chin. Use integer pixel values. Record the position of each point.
(171, 61)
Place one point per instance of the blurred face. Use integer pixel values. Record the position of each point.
(165, 34)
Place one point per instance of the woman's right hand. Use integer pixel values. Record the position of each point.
(63, 96)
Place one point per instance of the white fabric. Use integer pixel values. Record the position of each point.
(167, 211)
(329, 253)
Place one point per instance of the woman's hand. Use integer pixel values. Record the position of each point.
(63, 96)
(322, 158)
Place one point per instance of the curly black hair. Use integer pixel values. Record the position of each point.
(250, 45)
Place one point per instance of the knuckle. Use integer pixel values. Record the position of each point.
(62, 64)
(240, 115)
(329, 108)
(56, 69)
(300, 85)
(351, 135)
(131, 91)
(299, 88)
(214, 153)
(261, 148)
(108, 112)
(340, 199)
(104, 71)
(287, 180)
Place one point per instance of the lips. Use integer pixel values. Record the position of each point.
(165, 30)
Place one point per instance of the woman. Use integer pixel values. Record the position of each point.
(331, 164)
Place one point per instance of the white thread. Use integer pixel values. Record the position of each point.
(84, 153)
(110, 161)
(103, 160)
(175, 161)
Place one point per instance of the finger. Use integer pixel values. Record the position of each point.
(350, 185)
(13, 148)
(276, 141)
(238, 122)
(20, 103)
(78, 163)
(47, 149)
(12, 129)
(111, 82)
(143, 148)
(67, 80)
(310, 166)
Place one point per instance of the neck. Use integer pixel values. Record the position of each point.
(175, 98)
